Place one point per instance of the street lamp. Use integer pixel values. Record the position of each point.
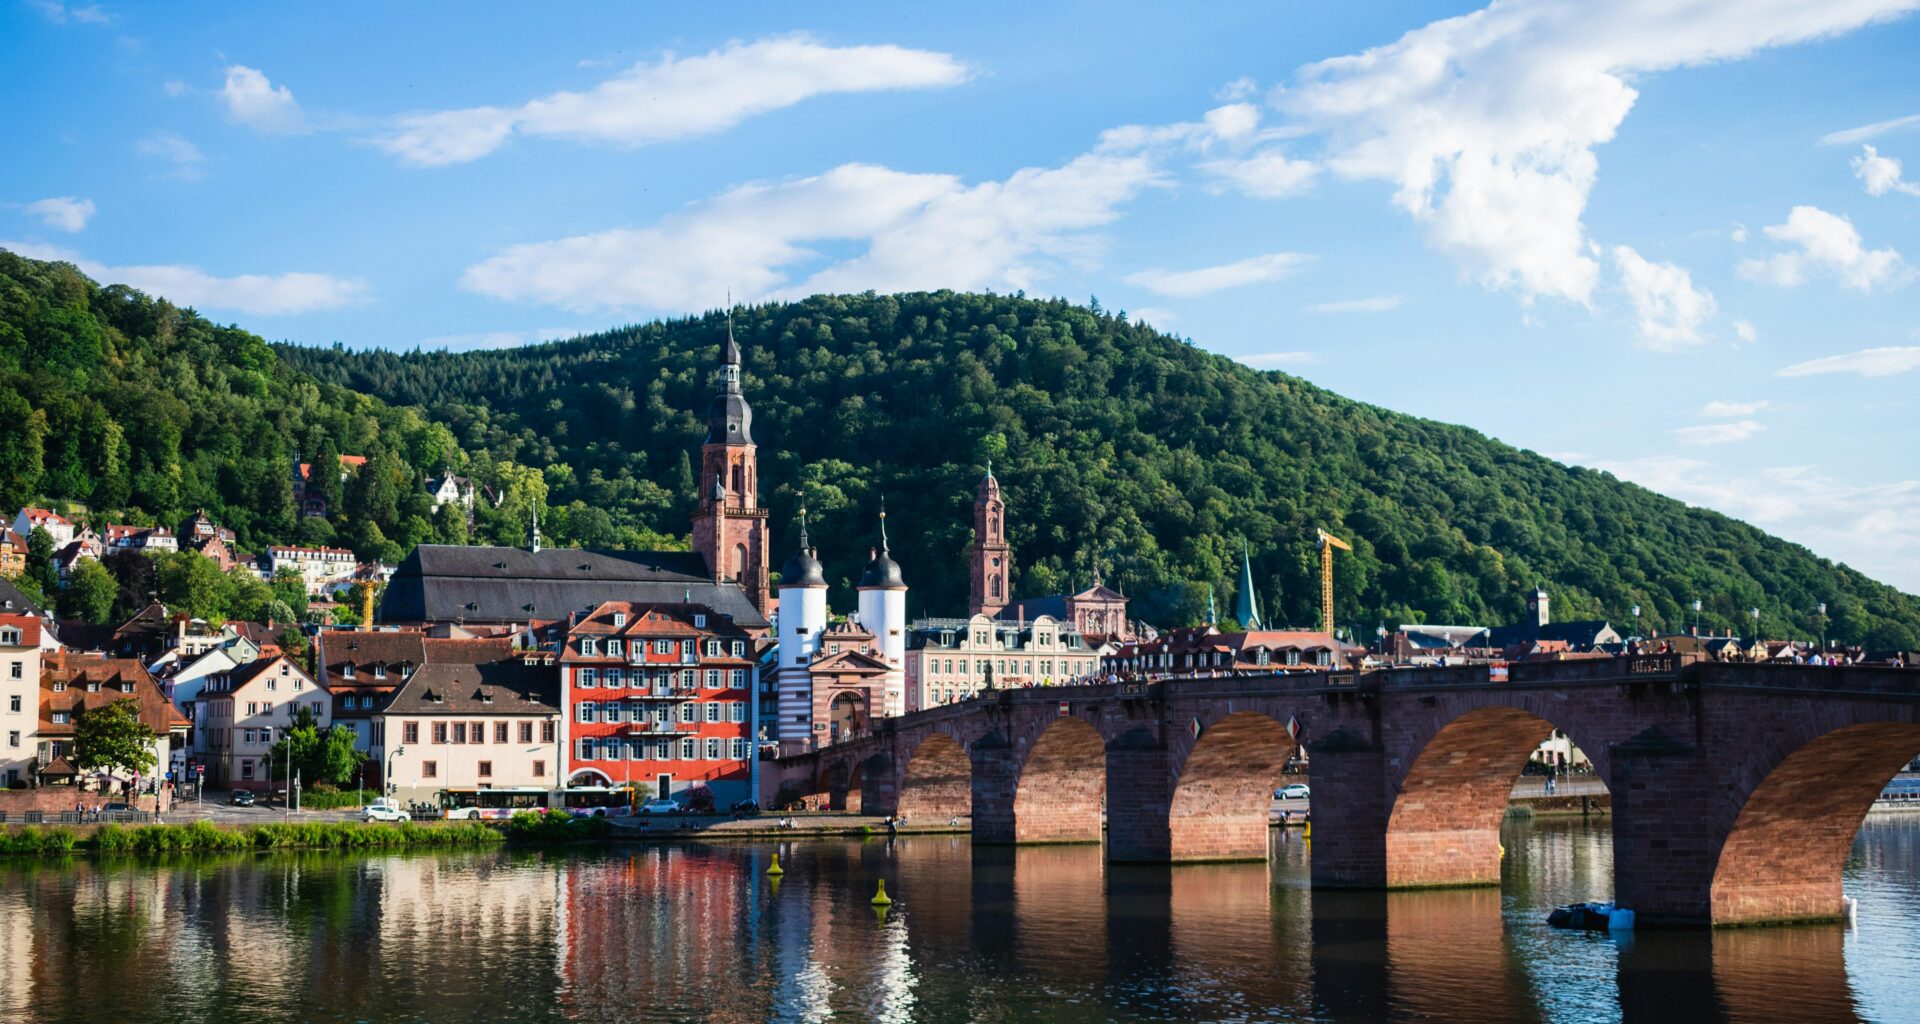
(1755, 613)
(1636, 621)
(1696, 616)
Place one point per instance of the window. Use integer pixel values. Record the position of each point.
(713, 679)
(13, 703)
(459, 732)
(713, 750)
(614, 648)
(615, 679)
(272, 684)
(10, 637)
(246, 771)
(477, 732)
(547, 730)
(739, 648)
(253, 707)
(59, 718)
(739, 678)
(439, 732)
(526, 732)
(663, 750)
(586, 748)
(499, 732)
(687, 678)
(13, 738)
(379, 671)
(586, 710)
(663, 647)
(699, 621)
(346, 671)
(15, 670)
(587, 648)
(612, 710)
(429, 769)
(486, 769)
(686, 712)
(619, 619)
(586, 678)
(739, 750)
(737, 711)
(713, 711)
(59, 687)
(713, 648)
(301, 684)
(689, 749)
(410, 732)
(539, 769)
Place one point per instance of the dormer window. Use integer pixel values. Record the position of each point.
(586, 645)
(379, 671)
(619, 619)
(346, 671)
(699, 620)
(614, 648)
(10, 637)
(93, 687)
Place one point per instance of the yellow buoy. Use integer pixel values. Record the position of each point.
(880, 914)
(775, 869)
(880, 898)
(1306, 831)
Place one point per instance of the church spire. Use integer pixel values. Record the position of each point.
(1248, 611)
(533, 531)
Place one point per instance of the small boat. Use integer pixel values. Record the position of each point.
(1591, 917)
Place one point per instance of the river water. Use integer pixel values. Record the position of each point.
(656, 933)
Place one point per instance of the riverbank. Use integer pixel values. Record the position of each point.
(204, 836)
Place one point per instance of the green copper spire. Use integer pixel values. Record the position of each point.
(1248, 611)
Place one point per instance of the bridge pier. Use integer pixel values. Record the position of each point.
(1348, 776)
(996, 775)
(1664, 852)
(1140, 785)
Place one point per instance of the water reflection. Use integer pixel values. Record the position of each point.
(978, 934)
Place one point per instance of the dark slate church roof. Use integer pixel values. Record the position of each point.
(453, 583)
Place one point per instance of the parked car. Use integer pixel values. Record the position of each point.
(241, 798)
(1293, 791)
(746, 807)
(662, 806)
(384, 810)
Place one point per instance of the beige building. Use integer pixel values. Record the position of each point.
(19, 697)
(951, 659)
(456, 729)
(243, 712)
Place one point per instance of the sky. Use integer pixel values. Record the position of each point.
(1675, 241)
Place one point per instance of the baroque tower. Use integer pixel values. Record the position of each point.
(729, 526)
(990, 576)
(883, 611)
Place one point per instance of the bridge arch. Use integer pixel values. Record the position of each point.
(1802, 805)
(1223, 791)
(938, 782)
(1061, 787)
(1443, 826)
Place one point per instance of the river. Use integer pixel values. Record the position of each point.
(678, 933)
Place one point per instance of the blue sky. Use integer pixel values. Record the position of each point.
(1674, 241)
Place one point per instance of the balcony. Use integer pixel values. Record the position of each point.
(659, 728)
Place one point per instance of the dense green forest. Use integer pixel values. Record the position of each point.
(1112, 441)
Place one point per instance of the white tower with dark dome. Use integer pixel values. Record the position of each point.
(883, 611)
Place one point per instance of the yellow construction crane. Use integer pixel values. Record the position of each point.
(1326, 544)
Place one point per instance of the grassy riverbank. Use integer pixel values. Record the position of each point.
(204, 836)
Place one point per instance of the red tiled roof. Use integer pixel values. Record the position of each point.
(29, 626)
(76, 671)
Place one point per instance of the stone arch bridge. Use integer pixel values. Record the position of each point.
(1736, 789)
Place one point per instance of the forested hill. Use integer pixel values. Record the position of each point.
(1112, 441)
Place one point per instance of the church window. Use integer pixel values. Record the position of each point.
(996, 585)
(740, 562)
(738, 478)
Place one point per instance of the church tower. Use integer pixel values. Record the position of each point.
(883, 611)
(729, 526)
(990, 577)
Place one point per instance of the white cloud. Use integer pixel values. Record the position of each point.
(1873, 526)
(63, 213)
(1377, 304)
(181, 158)
(174, 87)
(1229, 145)
(256, 102)
(1267, 174)
(1187, 284)
(1881, 174)
(1872, 362)
(1670, 310)
(1849, 136)
(1154, 316)
(1743, 329)
(1824, 243)
(1487, 124)
(1730, 410)
(60, 14)
(498, 339)
(1239, 89)
(259, 294)
(1738, 234)
(675, 97)
(920, 231)
(1268, 360)
(1719, 433)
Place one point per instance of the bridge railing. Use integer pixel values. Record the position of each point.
(1873, 680)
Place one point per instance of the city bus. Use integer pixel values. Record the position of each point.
(599, 801)
(475, 804)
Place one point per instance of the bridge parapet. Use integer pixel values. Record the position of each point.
(1877, 681)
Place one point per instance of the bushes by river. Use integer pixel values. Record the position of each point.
(204, 836)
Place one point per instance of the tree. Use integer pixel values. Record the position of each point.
(191, 582)
(22, 449)
(290, 588)
(40, 567)
(323, 476)
(136, 581)
(90, 593)
(112, 736)
(298, 748)
(336, 760)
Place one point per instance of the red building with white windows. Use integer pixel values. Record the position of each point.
(660, 695)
